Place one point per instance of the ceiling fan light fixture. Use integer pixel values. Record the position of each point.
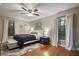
(30, 14)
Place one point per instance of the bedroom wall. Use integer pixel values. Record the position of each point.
(21, 27)
(47, 22)
(76, 30)
(1, 28)
(4, 28)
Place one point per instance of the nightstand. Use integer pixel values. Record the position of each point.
(44, 40)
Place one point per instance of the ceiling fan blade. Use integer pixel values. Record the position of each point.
(36, 14)
(23, 13)
(35, 10)
(22, 4)
(24, 8)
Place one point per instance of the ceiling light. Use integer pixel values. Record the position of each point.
(29, 14)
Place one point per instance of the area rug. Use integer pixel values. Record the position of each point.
(19, 52)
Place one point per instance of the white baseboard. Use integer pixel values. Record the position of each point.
(69, 49)
(65, 47)
(53, 44)
(62, 45)
(76, 49)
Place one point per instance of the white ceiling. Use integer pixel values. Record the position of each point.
(45, 9)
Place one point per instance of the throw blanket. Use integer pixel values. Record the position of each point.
(24, 37)
(21, 38)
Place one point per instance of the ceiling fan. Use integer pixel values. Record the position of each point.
(30, 12)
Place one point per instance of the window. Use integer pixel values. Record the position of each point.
(11, 30)
(61, 28)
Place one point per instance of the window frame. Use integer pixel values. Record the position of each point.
(61, 28)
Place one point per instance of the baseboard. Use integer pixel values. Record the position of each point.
(76, 49)
(66, 48)
(62, 45)
(54, 45)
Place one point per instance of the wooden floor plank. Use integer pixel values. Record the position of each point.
(49, 50)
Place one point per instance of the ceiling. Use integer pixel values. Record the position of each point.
(44, 9)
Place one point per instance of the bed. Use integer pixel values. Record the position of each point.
(21, 40)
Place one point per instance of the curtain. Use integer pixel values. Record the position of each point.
(55, 32)
(5, 30)
(69, 32)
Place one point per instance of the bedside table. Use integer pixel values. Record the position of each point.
(44, 40)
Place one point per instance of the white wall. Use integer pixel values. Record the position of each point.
(22, 27)
(48, 23)
(1, 28)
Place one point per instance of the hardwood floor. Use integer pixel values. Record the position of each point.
(49, 50)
